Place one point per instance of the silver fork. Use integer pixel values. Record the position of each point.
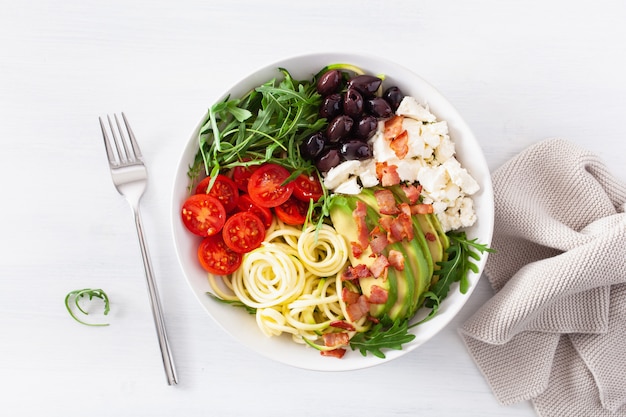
(130, 177)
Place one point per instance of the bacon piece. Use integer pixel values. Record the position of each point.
(422, 209)
(359, 213)
(405, 208)
(387, 174)
(400, 145)
(340, 324)
(396, 259)
(357, 250)
(378, 240)
(393, 127)
(349, 297)
(401, 227)
(385, 222)
(379, 295)
(354, 272)
(379, 266)
(430, 237)
(412, 192)
(386, 202)
(336, 339)
(357, 310)
(335, 353)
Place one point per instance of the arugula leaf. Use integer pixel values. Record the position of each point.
(234, 303)
(386, 334)
(78, 295)
(456, 268)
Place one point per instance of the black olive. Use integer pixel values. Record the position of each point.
(339, 128)
(394, 97)
(355, 149)
(329, 82)
(366, 127)
(365, 84)
(353, 103)
(379, 108)
(312, 146)
(330, 158)
(331, 106)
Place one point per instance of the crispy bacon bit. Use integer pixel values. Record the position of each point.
(405, 208)
(396, 259)
(385, 222)
(401, 227)
(386, 202)
(379, 241)
(379, 266)
(340, 324)
(393, 127)
(335, 353)
(422, 209)
(387, 174)
(354, 272)
(359, 213)
(412, 192)
(400, 145)
(349, 297)
(357, 250)
(378, 296)
(336, 339)
(430, 237)
(358, 309)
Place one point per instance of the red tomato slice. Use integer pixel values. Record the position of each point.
(203, 214)
(216, 257)
(243, 232)
(224, 189)
(265, 185)
(245, 203)
(241, 176)
(307, 187)
(292, 211)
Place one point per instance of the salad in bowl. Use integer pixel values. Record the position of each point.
(332, 206)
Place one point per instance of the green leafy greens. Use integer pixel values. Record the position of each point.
(386, 334)
(266, 125)
(77, 295)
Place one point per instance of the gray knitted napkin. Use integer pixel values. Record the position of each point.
(555, 330)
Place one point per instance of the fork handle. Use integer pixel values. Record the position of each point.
(157, 314)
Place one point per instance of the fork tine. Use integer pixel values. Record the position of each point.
(131, 135)
(107, 143)
(125, 156)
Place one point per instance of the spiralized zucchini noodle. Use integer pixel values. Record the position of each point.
(293, 281)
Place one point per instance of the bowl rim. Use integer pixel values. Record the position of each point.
(282, 349)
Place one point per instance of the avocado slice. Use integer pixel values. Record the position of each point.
(405, 288)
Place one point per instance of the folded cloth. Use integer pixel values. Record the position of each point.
(555, 330)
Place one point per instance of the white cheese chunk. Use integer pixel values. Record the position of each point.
(409, 107)
(339, 174)
(350, 186)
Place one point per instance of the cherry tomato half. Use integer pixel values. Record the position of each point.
(265, 185)
(216, 257)
(241, 176)
(245, 203)
(292, 211)
(224, 189)
(243, 232)
(307, 187)
(203, 214)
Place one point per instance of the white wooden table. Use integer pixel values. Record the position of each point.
(519, 72)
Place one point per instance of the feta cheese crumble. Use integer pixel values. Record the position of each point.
(430, 161)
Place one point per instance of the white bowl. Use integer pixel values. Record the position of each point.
(242, 325)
